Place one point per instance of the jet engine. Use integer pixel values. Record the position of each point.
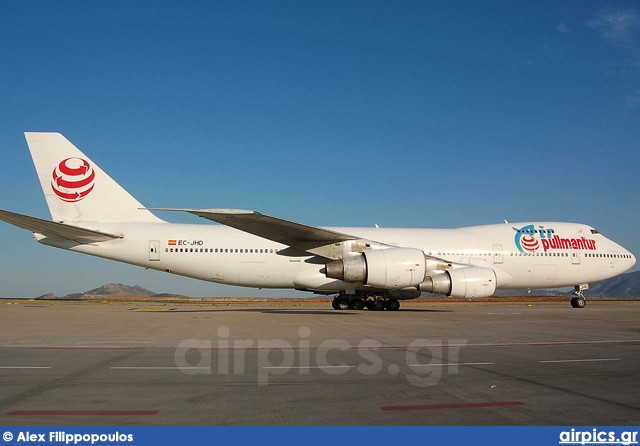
(468, 282)
(389, 269)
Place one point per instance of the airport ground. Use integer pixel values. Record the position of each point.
(303, 363)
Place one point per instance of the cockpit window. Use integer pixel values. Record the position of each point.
(595, 231)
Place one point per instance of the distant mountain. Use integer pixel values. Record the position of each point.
(526, 292)
(47, 296)
(111, 290)
(624, 285)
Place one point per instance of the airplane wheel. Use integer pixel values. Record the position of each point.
(357, 304)
(334, 304)
(368, 304)
(393, 305)
(578, 302)
(378, 305)
(342, 304)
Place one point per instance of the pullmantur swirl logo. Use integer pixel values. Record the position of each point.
(525, 241)
(73, 179)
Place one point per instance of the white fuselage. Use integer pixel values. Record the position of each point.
(551, 254)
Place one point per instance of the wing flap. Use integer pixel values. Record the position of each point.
(55, 229)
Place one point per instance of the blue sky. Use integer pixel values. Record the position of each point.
(408, 114)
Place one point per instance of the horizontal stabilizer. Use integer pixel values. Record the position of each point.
(54, 229)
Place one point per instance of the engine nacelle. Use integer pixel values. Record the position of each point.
(468, 282)
(389, 269)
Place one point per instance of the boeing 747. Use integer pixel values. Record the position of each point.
(364, 267)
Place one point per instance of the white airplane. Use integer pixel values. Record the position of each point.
(365, 267)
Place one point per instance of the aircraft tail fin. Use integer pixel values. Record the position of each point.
(75, 188)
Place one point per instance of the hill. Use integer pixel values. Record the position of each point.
(111, 290)
(624, 285)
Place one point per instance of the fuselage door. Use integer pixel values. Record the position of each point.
(497, 254)
(154, 250)
(575, 254)
(575, 257)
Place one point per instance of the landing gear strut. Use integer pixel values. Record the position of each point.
(579, 301)
(361, 301)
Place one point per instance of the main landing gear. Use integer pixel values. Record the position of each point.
(360, 302)
(579, 301)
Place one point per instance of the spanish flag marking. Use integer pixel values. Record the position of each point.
(172, 242)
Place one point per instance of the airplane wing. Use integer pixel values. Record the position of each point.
(55, 229)
(301, 238)
(296, 235)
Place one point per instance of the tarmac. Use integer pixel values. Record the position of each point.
(145, 363)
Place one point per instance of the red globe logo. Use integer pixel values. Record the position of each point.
(73, 179)
(529, 243)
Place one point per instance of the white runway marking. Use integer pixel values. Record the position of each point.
(503, 313)
(451, 364)
(313, 367)
(160, 368)
(583, 360)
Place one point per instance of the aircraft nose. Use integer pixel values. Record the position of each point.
(633, 259)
